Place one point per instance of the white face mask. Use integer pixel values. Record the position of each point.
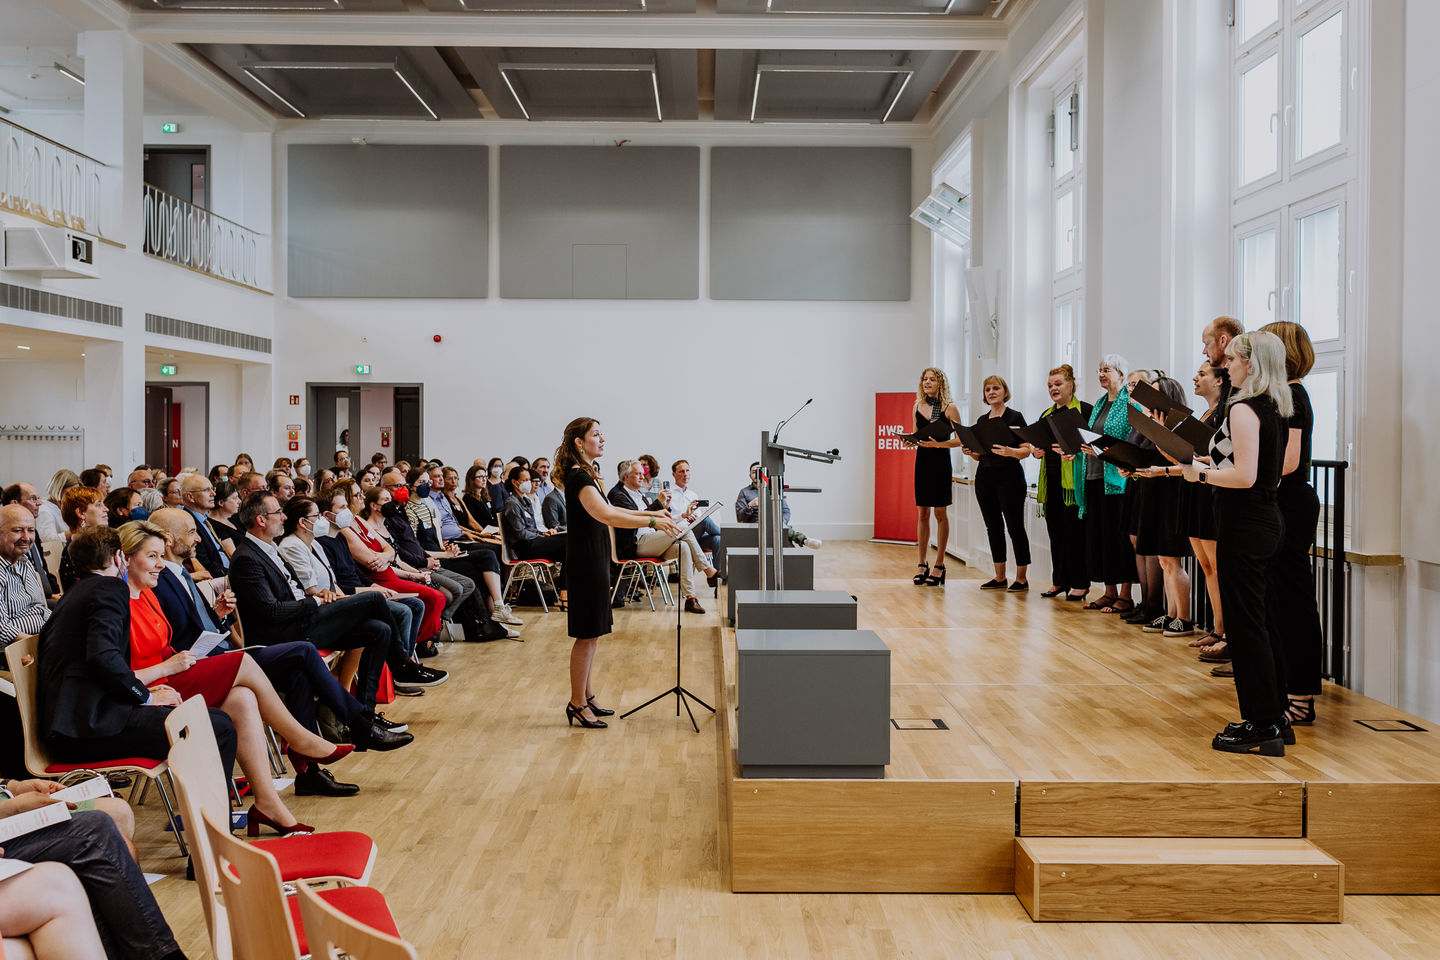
(344, 518)
(305, 470)
(495, 471)
(320, 526)
(526, 487)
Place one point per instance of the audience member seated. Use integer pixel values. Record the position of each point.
(142, 481)
(495, 484)
(281, 484)
(49, 525)
(552, 509)
(249, 484)
(274, 604)
(82, 506)
(684, 506)
(219, 472)
(747, 510)
(540, 476)
(170, 495)
(22, 597)
(477, 559)
(342, 463)
(369, 544)
(97, 478)
(650, 484)
(471, 527)
(630, 544)
(222, 518)
(476, 495)
(524, 536)
(121, 921)
(197, 498)
(124, 505)
(23, 495)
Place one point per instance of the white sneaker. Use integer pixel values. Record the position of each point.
(503, 614)
(814, 543)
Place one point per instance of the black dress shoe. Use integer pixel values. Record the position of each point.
(376, 737)
(1287, 731)
(1246, 737)
(317, 782)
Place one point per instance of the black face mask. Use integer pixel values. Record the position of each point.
(390, 509)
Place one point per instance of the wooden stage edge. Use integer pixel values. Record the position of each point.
(1115, 745)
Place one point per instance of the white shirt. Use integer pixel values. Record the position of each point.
(273, 553)
(310, 563)
(49, 525)
(680, 500)
(637, 498)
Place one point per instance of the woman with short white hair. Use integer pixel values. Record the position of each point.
(1100, 494)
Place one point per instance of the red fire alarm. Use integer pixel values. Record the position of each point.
(437, 338)
(294, 445)
(294, 399)
(385, 437)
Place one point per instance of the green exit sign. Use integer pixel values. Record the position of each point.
(168, 370)
(169, 128)
(362, 368)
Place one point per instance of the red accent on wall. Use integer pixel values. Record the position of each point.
(894, 468)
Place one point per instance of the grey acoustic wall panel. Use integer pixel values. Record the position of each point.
(810, 223)
(388, 221)
(608, 223)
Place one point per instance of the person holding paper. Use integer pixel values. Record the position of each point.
(1159, 523)
(1056, 493)
(934, 412)
(1201, 528)
(1000, 486)
(524, 535)
(686, 551)
(1100, 496)
(1293, 614)
(1246, 457)
(587, 558)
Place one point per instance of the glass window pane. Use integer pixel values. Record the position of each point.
(1257, 279)
(1324, 390)
(1064, 344)
(1318, 273)
(1064, 231)
(1252, 16)
(1320, 87)
(1064, 159)
(1259, 120)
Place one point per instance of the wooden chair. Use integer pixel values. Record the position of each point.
(540, 571)
(24, 670)
(248, 895)
(641, 567)
(333, 934)
(346, 857)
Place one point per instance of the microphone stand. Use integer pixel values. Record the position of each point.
(679, 691)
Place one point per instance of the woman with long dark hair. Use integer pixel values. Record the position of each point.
(587, 558)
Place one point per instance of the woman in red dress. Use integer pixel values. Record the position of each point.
(370, 546)
(231, 681)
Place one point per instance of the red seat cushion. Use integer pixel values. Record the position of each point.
(144, 763)
(344, 853)
(365, 904)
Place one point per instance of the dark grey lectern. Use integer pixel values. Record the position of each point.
(813, 703)
(772, 510)
(744, 572)
(795, 610)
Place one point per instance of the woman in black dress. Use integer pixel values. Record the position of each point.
(1293, 614)
(933, 471)
(1208, 381)
(587, 557)
(1161, 532)
(1056, 494)
(1000, 489)
(1245, 457)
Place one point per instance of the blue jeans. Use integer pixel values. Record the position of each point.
(407, 613)
(708, 533)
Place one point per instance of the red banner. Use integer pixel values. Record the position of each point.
(894, 467)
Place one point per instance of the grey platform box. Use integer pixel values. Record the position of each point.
(813, 703)
(737, 535)
(794, 610)
(744, 572)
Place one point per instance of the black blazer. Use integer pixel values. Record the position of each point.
(520, 525)
(263, 595)
(209, 555)
(185, 623)
(625, 538)
(552, 509)
(86, 686)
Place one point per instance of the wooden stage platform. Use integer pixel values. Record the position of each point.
(1057, 724)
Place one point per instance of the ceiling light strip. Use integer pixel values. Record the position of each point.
(898, 94)
(518, 102)
(70, 73)
(416, 93)
(655, 85)
(755, 97)
(273, 92)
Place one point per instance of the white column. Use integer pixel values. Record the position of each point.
(114, 386)
(114, 115)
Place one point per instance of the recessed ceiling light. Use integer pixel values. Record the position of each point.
(69, 73)
(22, 346)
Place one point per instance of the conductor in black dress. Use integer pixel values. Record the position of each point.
(587, 557)
(933, 471)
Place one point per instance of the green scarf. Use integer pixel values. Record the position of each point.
(1117, 425)
(1067, 468)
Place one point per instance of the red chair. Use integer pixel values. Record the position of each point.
(644, 568)
(333, 934)
(540, 571)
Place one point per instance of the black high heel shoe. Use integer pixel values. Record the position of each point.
(598, 711)
(922, 576)
(934, 581)
(573, 713)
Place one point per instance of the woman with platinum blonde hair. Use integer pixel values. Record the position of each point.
(1246, 457)
(934, 412)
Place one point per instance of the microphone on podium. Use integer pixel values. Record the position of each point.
(791, 417)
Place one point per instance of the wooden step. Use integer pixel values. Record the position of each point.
(1178, 879)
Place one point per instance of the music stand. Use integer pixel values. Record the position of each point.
(679, 691)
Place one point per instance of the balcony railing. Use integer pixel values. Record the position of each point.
(48, 181)
(179, 231)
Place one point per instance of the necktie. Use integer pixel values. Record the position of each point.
(206, 619)
(215, 542)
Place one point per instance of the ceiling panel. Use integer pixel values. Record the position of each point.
(857, 7)
(854, 86)
(272, 6)
(593, 84)
(563, 6)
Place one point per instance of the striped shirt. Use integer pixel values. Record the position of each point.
(22, 600)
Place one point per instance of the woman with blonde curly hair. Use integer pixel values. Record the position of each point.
(934, 412)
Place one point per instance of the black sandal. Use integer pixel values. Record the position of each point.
(922, 576)
(1302, 711)
(1052, 592)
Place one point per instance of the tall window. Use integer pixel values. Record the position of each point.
(1294, 185)
(1067, 164)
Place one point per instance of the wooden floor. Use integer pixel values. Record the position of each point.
(504, 834)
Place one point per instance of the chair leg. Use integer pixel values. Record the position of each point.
(143, 785)
(170, 811)
(539, 588)
(645, 579)
(509, 582)
(277, 762)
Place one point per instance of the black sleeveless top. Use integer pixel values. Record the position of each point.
(1271, 454)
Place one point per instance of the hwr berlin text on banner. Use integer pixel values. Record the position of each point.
(894, 467)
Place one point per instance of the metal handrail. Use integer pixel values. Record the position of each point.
(192, 236)
(47, 180)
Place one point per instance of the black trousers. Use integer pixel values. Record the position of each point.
(1293, 616)
(1000, 491)
(125, 910)
(1109, 557)
(1067, 543)
(1248, 531)
(361, 621)
(300, 676)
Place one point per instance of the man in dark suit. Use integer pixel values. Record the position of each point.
(294, 667)
(630, 544)
(197, 494)
(273, 603)
(91, 704)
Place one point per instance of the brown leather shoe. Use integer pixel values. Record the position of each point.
(692, 605)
